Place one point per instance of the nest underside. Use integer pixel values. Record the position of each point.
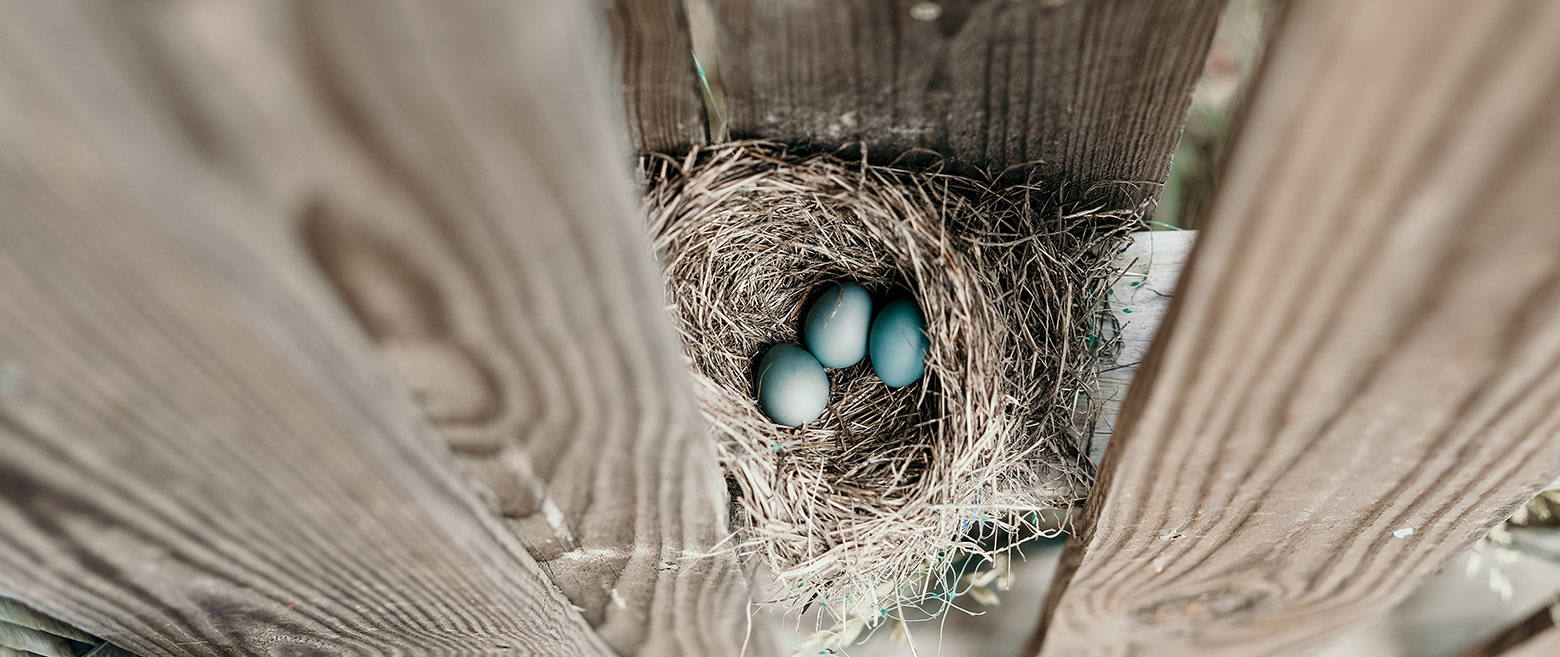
(890, 485)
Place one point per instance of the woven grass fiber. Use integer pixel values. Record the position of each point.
(891, 486)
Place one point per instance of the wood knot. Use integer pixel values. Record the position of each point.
(407, 311)
(1205, 607)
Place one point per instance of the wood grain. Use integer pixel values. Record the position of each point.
(1534, 636)
(1091, 89)
(199, 452)
(653, 52)
(466, 195)
(1139, 299)
(1360, 374)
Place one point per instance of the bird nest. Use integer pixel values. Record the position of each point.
(891, 485)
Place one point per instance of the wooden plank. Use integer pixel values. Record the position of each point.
(1535, 636)
(491, 250)
(1360, 375)
(199, 452)
(653, 50)
(1150, 270)
(1091, 89)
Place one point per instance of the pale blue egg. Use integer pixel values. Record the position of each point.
(899, 344)
(837, 325)
(792, 387)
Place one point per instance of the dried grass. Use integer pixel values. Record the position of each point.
(889, 486)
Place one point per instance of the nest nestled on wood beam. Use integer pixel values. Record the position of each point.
(863, 509)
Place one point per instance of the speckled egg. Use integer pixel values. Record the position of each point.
(837, 325)
(792, 387)
(898, 343)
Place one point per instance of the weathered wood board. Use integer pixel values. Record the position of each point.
(199, 453)
(1150, 270)
(1093, 89)
(494, 254)
(192, 178)
(653, 52)
(1360, 373)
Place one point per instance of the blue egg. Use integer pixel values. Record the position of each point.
(792, 387)
(899, 344)
(837, 325)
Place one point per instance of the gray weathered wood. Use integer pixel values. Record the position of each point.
(1150, 269)
(653, 50)
(1092, 89)
(491, 249)
(1360, 374)
(199, 453)
(196, 414)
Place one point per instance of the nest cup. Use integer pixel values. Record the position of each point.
(890, 485)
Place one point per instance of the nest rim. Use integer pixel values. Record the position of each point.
(1011, 280)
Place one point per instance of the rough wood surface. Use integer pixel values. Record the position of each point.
(199, 453)
(653, 50)
(1150, 270)
(1360, 374)
(492, 251)
(446, 168)
(1093, 89)
(1536, 636)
